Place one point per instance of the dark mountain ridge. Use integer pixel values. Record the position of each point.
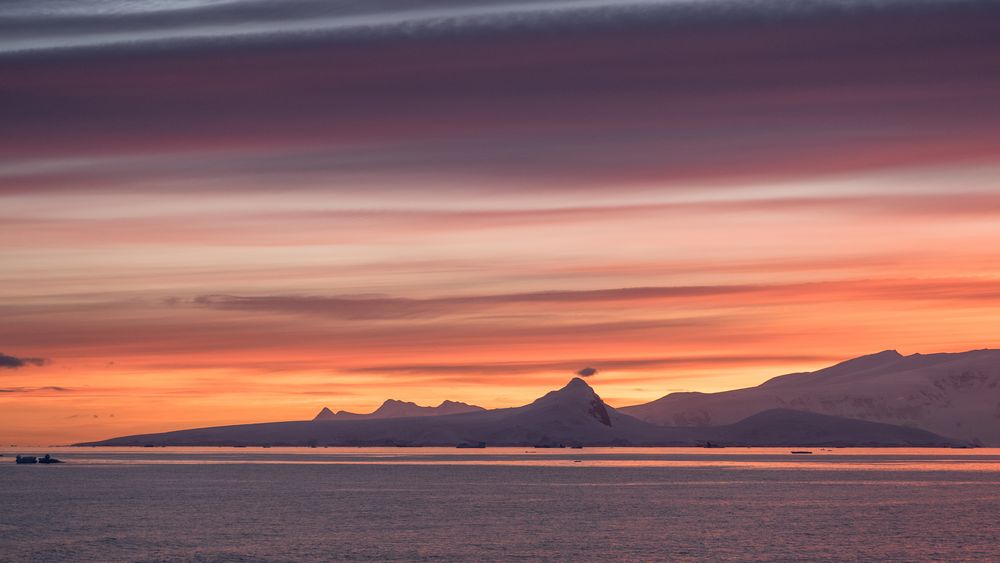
(573, 415)
(392, 408)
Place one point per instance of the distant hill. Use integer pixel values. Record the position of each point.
(784, 427)
(400, 409)
(572, 415)
(949, 394)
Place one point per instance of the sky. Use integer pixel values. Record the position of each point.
(228, 211)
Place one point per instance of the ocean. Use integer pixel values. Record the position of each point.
(633, 504)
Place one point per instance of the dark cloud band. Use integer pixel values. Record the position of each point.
(12, 362)
(765, 91)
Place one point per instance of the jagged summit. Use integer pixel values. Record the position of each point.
(577, 386)
(325, 414)
(576, 395)
(575, 389)
(394, 408)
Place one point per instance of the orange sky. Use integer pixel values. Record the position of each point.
(196, 234)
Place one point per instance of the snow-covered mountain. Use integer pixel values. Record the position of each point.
(572, 415)
(955, 395)
(400, 409)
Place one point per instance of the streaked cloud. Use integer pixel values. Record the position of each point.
(35, 389)
(546, 104)
(360, 308)
(247, 203)
(610, 365)
(46, 24)
(369, 308)
(13, 362)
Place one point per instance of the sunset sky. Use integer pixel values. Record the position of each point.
(235, 211)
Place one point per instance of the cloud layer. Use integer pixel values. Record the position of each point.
(12, 362)
(248, 203)
(676, 93)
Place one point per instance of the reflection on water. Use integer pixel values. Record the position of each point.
(323, 504)
(856, 459)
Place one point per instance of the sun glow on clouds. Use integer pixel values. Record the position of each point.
(201, 233)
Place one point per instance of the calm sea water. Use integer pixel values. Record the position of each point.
(246, 504)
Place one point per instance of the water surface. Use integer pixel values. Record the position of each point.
(302, 504)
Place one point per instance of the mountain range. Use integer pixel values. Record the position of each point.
(392, 408)
(955, 395)
(883, 399)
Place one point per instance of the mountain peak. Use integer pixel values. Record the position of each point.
(854, 367)
(454, 407)
(885, 354)
(862, 363)
(396, 402)
(393, 407)
(576, 395)
(576, 389)
(577, 383)
(325, 414)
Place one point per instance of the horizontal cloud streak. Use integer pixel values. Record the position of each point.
(48, 389)
(12, 362)
(608, 365)
(36, 25)
(346, 226)
(366, 308)
(374, 308)
(744, 95)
